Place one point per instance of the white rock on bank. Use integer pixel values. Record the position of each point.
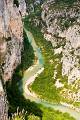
(58, 50)
(58, 84)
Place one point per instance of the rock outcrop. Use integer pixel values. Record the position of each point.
(22, 7)
(11, 44)
(11, 37)
(3, 104)
(62, 28)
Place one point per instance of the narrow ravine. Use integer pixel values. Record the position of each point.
(32, 73)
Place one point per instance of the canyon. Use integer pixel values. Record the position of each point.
(59, 23)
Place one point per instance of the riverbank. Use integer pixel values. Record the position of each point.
(29, 82)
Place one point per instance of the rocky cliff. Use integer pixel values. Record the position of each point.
(11, 33)
(61, 26)
(11, 43)
(3, 104)
(62, 20)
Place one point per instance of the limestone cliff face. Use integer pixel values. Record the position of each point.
(3, 104)
(11, 44)
(62, 28)
(11, 38)
(22, 7)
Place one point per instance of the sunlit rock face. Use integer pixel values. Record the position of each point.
(11, 38)
(3, 104)
(62, 28)
(11, 44)
(22, 7)
(71, 54)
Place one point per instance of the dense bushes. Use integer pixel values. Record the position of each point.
(16, 99)
(50, 114)
(27, 54)
(68, 2)
(16, 2)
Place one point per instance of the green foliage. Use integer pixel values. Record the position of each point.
(77, 104)
(50, 114)
(27, 58)
(19, 116)
(16, 98)
(29, 1)
(68, 2)
(62, 4)
(33, 7)
(33, 117)
(8, 39)
(65, 23)
(16, 2)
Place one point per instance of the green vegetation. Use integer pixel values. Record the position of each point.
(67, 2)
(44, 84)
(27, 58)
(18, 116)
(76, 104)
(65, 23)
(32, 6)
(33, 117)
(16, 2)
(50, 114)
(61, 4)
(16, 99)
(30, 1)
